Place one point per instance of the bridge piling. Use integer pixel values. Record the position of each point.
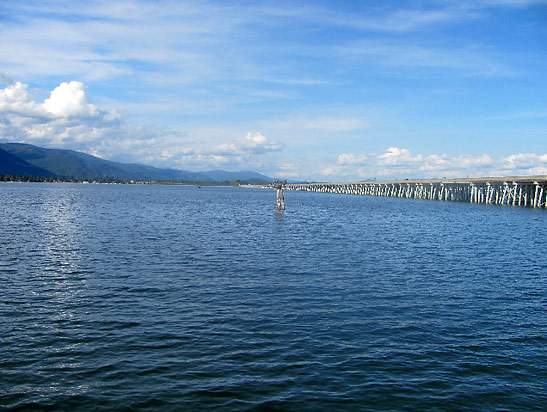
(525, 191)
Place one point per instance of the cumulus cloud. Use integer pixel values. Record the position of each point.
(334, 171)
(398, 157)
(64, 119)
(445, 162)
(69, 99)
(68, 119)
(15, 99)
(347, 165)
(65, 101)
(526, 163)
(255, 143)
(350, 159)
(395, 157)
(524, 160)
(398, 162)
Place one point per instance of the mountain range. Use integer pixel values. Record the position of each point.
(25, 159)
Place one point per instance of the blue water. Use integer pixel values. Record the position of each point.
(116, 297)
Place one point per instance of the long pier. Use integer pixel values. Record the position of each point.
(525, 191)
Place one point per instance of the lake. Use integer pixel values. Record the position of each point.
(149, 297)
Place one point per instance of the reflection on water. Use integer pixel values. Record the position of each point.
(49, 251)
(60, 220)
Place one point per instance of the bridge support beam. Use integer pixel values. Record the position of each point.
(515, 191)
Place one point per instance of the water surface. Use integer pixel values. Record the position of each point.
(171, 297)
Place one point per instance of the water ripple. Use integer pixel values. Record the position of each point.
(172, 298)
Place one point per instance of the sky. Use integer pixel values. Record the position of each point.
(296, 90)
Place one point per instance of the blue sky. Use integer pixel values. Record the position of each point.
(315, 90)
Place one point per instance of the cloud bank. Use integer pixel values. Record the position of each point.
(398, 163)
(67, 119)
(252, 143)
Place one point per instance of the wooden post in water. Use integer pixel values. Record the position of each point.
(280, 198)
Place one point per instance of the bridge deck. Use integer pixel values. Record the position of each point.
(528, 191)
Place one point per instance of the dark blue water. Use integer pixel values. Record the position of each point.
(177, 298)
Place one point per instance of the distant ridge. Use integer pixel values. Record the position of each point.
(222, 176)
(26, 159)
(14, 166)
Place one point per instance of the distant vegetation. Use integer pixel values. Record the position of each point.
(112, 180)
(28, 178)
(24, 162)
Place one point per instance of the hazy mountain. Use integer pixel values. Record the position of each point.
(223, 176)
(73, 164)
(12, 165)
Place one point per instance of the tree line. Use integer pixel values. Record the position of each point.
(54, 179)
(110, 179)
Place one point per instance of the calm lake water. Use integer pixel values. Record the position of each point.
(117, 297)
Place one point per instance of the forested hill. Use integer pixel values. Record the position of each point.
(13, 165)
(25, 159)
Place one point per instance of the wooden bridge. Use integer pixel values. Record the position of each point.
(528, 191)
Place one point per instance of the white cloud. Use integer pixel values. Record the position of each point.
(436, 162)
(255, 143)
(402, 160)
(287, 170)
(69, 99)
(16, 99)
(65, 101)
(350, 159)
(67, 119)
(398, 163)
(334, 171)
(536, 171)
(396, 157)
(525, 160)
